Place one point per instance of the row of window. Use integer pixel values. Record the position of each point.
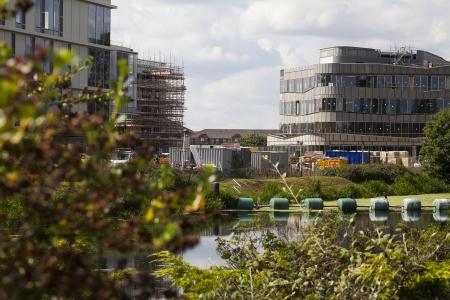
(49, 20)
(99, 31)
(302, 85)
(48, 17)
(365, 128)
(365, 105)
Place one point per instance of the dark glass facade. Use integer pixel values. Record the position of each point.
(99, 71)
(99, 25)
(49, 16)
(364, 106)
(397, 129)
(302, 85)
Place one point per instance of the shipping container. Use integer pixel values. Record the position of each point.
(353, 157)
(221, 158)
(264, 160)
(177, 156)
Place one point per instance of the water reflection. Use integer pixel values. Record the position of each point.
(379, 215)
(279, 216)
(411, 215)
(441, 216)
(291, 224)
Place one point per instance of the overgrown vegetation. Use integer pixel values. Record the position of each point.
(362, 173)
(331, 259)
(57, 204)
(364, 181)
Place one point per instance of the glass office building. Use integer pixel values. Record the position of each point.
(361, 98)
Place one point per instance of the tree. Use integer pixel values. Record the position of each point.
(253, 140)
(435, 151)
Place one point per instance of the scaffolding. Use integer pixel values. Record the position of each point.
(160, 104)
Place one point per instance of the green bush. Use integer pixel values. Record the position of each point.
(377, 188)
(224, 200)
(353, 191)
(362, 173)
(434, 283)
(270, 191)
(418, 184)
(229, 200)
(213, 202)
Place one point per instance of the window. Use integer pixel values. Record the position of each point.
(360, 127)
(369, 127)
(348, 81)
(13, 44)
(99, 27)
(98, 73)
(396, 129)
(424, 82)
(404, 106)
(339, 104)
(398, 81)
(381, 81)
(49, 16)
(20, 19)
(388, 81)
(441, 82)
(349, 105)
(384, 106)
(361, 81)
(392, 107)
(29, 45)
(416, 82)
(434, 82)
(47, 44)
(375, 108)
(405, 83)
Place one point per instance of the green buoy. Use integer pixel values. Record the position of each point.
(313, 203)
(245, 204)
(279, 203)
(347, 205)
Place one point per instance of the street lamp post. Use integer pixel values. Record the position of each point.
(183, 152)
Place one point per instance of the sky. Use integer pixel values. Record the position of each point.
(233, 50)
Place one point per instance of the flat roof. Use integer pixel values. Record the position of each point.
(105, 3)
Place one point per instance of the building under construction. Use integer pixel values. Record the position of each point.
(160, 104)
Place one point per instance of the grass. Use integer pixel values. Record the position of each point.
(427, 199)
(249, 186)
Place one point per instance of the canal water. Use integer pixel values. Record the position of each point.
(204, 254)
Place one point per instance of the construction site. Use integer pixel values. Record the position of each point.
(160, 104)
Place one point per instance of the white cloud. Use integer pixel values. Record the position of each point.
(227, 43)
(241, 100)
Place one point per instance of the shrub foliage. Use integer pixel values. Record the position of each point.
(58, 204)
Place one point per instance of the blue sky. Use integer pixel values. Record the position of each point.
(233, 50)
